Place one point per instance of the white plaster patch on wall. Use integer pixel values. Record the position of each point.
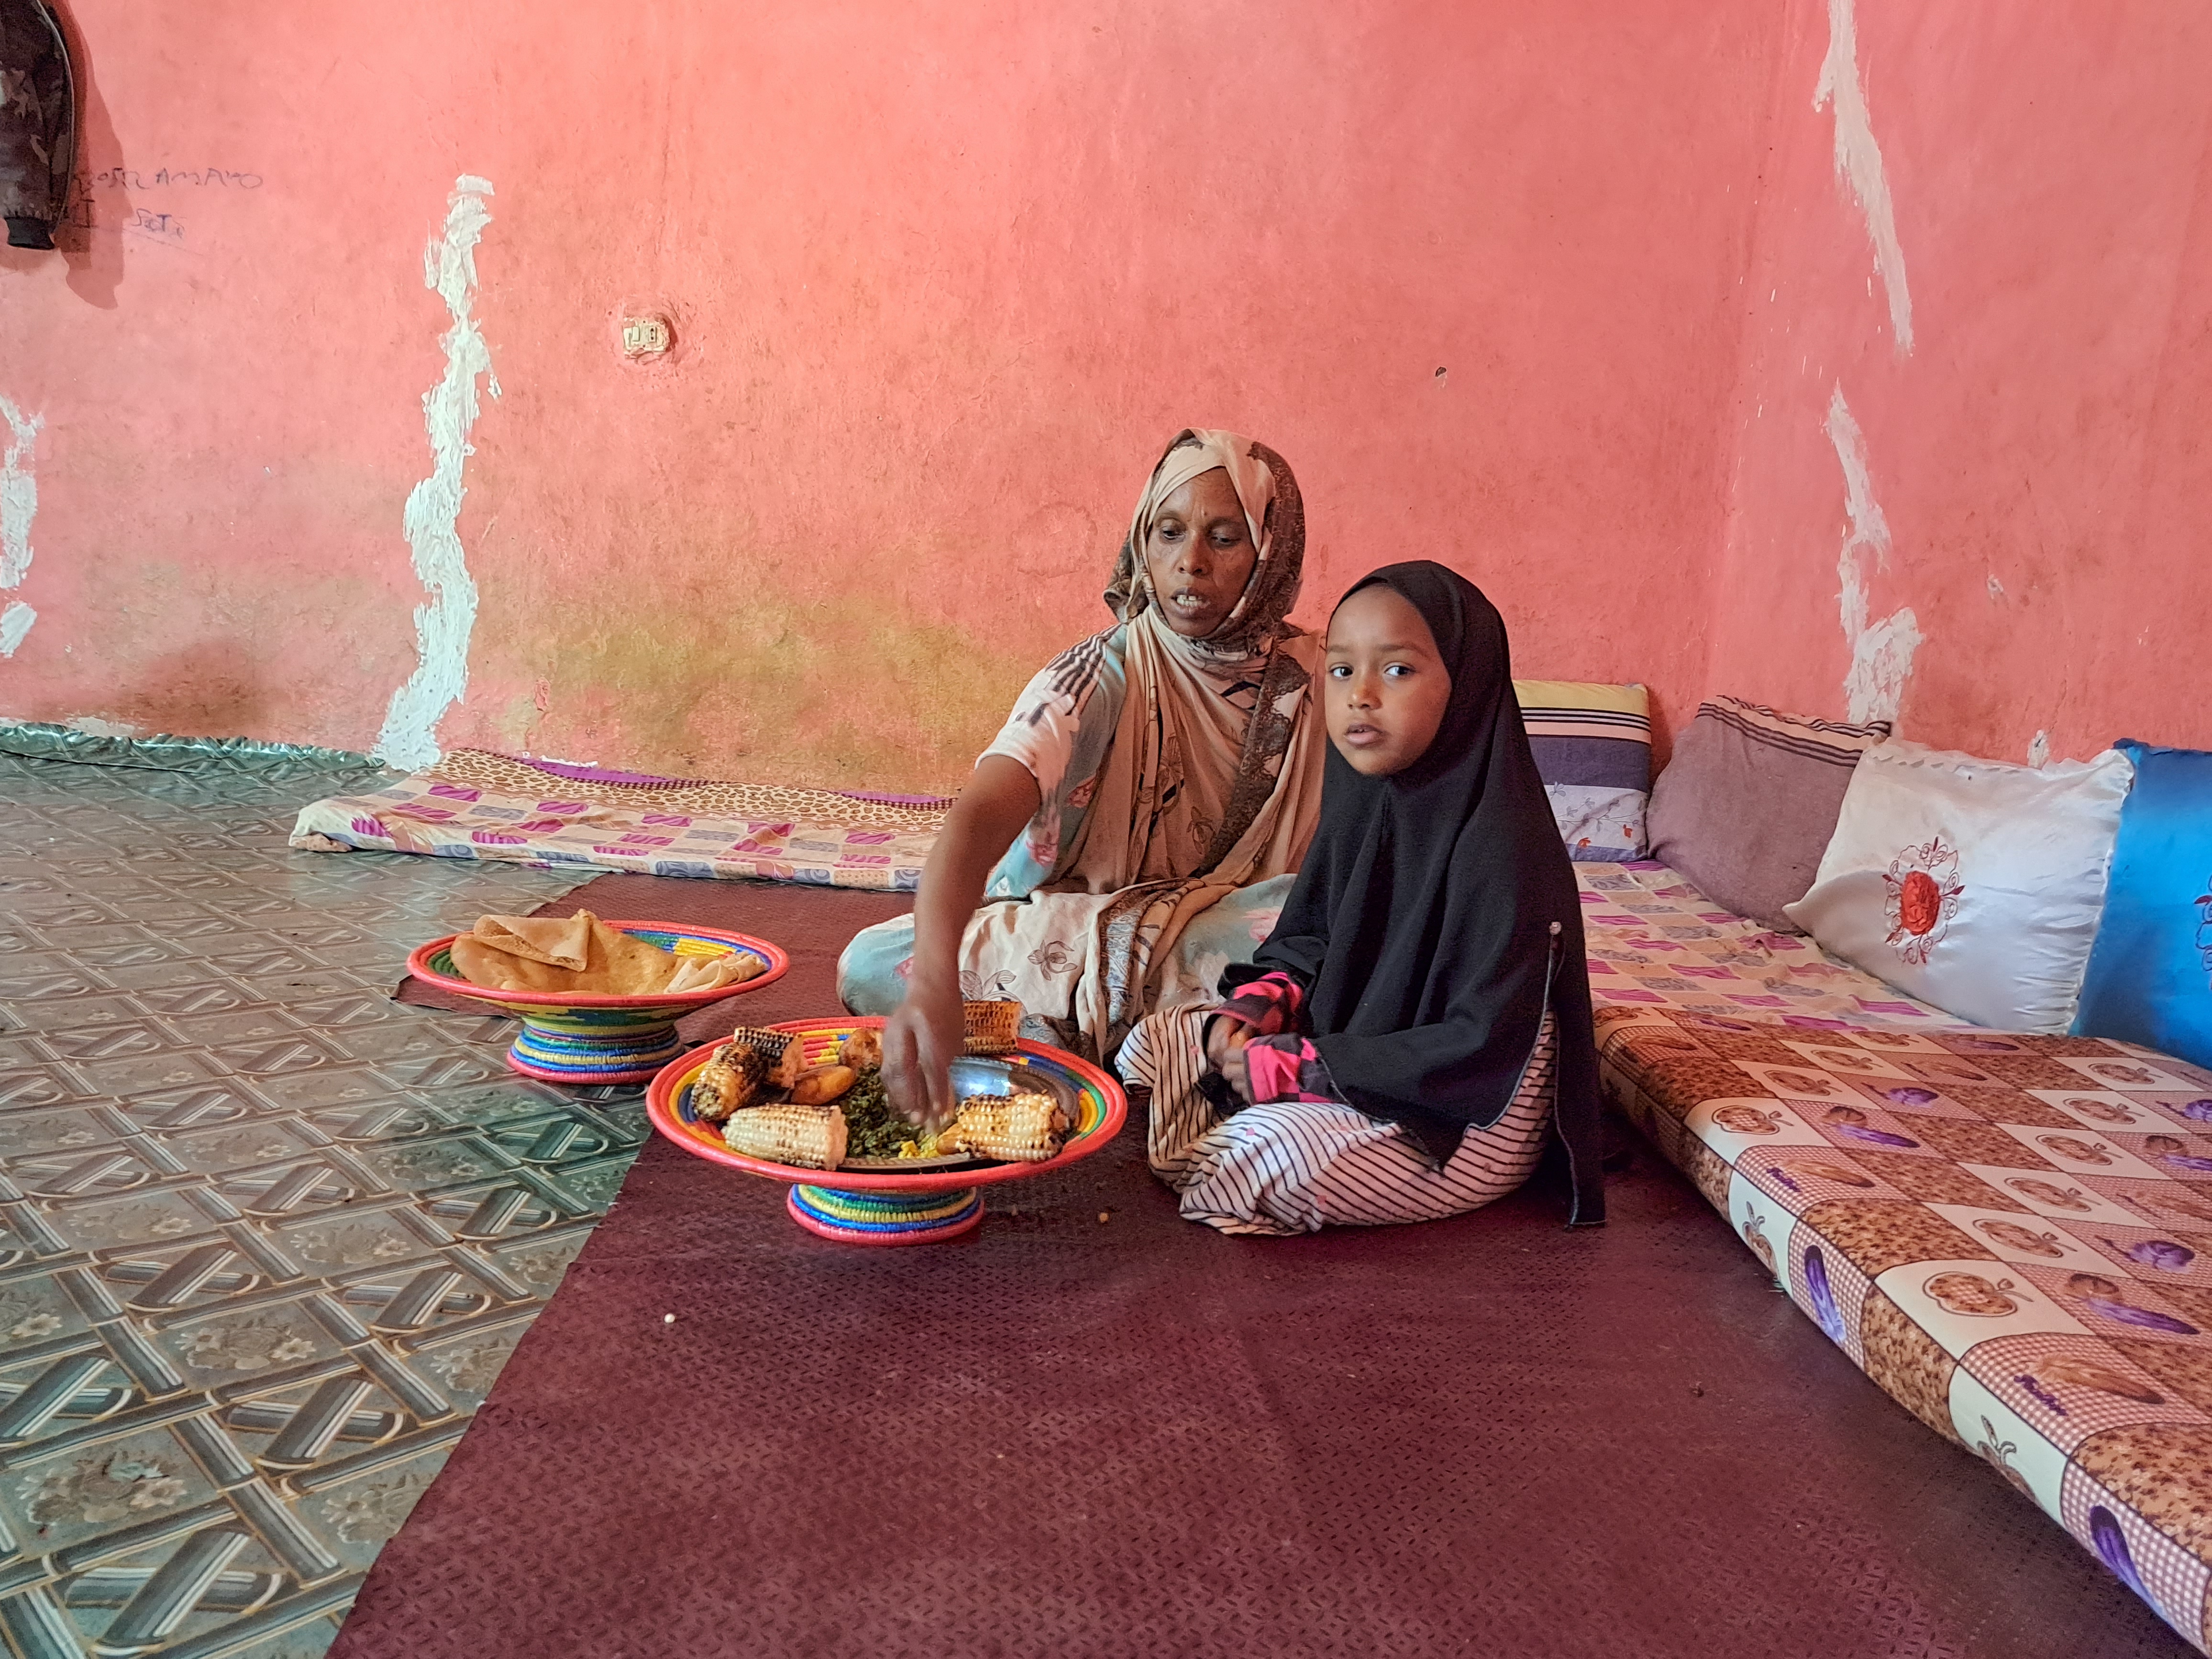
(1881, 651)
(18, 505)
(444, 623)
(1858, 163)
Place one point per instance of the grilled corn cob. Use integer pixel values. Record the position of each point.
(992, 1027)
(806, 1137)
(1019, 1128)
(736, 1078)
(771, 1043)
(779, 1049)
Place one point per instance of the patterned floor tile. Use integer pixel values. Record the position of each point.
(267, 1238)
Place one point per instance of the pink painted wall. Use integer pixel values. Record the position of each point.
(2041, 454)
(945, 275)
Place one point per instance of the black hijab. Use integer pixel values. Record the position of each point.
(1436, 918)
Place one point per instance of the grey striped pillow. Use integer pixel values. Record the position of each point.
(1747, 805)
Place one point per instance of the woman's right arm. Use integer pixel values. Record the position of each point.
(924, 1035)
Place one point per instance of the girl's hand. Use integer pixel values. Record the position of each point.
(1225, 1051)
(1239, 1074)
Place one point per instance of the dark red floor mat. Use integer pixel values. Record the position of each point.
(1135, 1436)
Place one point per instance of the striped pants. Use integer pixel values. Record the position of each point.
(1296, 1166)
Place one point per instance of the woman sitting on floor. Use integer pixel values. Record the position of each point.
(1420, 1016)
(1167, 770)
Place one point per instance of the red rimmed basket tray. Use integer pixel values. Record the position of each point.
(877, 1207)
(582, 1039)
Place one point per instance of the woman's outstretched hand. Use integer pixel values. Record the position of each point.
(922, 1038)
(1225, 1051)
(927, 1032)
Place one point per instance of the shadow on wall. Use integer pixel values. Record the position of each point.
(209, 686)
(94, 253)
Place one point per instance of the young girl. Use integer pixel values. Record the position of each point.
(1420, 1016)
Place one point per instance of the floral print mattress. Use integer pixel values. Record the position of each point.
(474, 804)
(2011, 1234)
(1656, 942)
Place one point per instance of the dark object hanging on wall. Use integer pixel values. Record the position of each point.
(38, 122)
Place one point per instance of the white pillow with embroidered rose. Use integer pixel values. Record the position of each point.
(1974, 884)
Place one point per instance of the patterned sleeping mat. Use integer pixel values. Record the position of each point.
(473, 804)
(1657, 942)
(2011, 1234)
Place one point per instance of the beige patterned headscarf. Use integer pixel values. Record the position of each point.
(1274, 517)
(1213, 780)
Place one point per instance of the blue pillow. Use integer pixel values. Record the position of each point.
(2150, 972)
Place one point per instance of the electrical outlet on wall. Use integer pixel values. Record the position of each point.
(645, 337)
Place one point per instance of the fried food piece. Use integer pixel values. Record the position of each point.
(861, 1050)
(1022, 1129)
(804, 1136)
(992, 1028)
(822, 1085)
(788, 1068)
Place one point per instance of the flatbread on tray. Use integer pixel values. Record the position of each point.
(582, 954)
